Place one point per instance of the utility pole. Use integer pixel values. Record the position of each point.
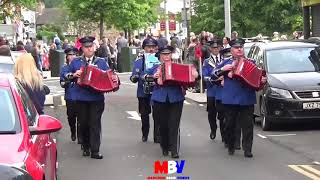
(227, 17)
(167, 19)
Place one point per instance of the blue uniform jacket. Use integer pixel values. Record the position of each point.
(86, 93)
(139, 70)
(220, 87)
(235, 92)
(208, 66)
(172, 93)
(69, 90)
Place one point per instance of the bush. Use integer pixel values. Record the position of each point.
(50, 31)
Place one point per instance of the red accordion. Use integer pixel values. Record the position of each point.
(103, 81)
(174, 73)
(250, 74)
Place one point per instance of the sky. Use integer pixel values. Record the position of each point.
(174, 5)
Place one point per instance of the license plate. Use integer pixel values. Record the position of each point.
(311, 105)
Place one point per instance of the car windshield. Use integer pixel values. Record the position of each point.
(9, 122)
(292, 60)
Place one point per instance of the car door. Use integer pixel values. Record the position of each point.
(259, 58)
(40, 143)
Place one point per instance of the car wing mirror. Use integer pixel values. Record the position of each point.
(46, 89)
(46, 125)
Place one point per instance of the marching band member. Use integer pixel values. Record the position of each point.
(65, 82)
(238, 101)
(168, 104)
(90, 103)
(226, 54)
(208, 66)
(140, 73)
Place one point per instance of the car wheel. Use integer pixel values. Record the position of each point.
(266, 125)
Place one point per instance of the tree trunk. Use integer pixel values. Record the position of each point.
(101, 25)
(129, 36)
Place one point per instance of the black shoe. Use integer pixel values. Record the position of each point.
(174, 155)
(144, 138)
(237, 147)
(96, 155)
(248, 154)
(230, 151)
(165, 152)
(86, 153)
(212, 135)
(156, 140)
(73, 137)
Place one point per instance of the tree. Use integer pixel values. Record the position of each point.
(249, 19)
(7, 6)
(123, 14)
(53, 3)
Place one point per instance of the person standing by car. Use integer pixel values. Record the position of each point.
(90, 103)
(238, 100)
(139, 73)
(71, 103)
(26, 72)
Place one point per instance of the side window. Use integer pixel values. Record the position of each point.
(259, 58)
(250, 53)
(28, 106)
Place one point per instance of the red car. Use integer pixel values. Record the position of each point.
(25, 137)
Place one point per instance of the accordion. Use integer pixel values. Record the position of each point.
(177, 74)
(103, 81)
(249, 74)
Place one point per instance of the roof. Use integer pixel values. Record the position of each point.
(51, 16)
(4, 80)
(286, 44)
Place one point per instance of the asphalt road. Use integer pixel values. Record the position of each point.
(289, 152)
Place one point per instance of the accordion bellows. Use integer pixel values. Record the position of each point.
(177, 74)
(103, 81)
(249, 74)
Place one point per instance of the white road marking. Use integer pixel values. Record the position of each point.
(186, 102)
(201, 105)
(127, 83)
(316, 162)
(262, 136)
(280, 135)
(123, 73)
(134, 115)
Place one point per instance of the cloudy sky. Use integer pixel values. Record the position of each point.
(174, 5)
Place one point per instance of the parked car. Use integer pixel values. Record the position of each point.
(24, 134)
(292, 93)
(6, 64)
(13, 173)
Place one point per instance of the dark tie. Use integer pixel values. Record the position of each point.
(217, 60)
(89, 60)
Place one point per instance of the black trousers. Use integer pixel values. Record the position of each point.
(222, 120)
(144, 110)
(169, 116)
(90, 113)
(212, 113)
(243, 114)
(72, 115)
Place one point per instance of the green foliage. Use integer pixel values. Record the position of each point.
(50, 31)
(53, 3)
(248, 18)
(123, 14)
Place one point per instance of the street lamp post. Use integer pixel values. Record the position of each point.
(227, 17)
